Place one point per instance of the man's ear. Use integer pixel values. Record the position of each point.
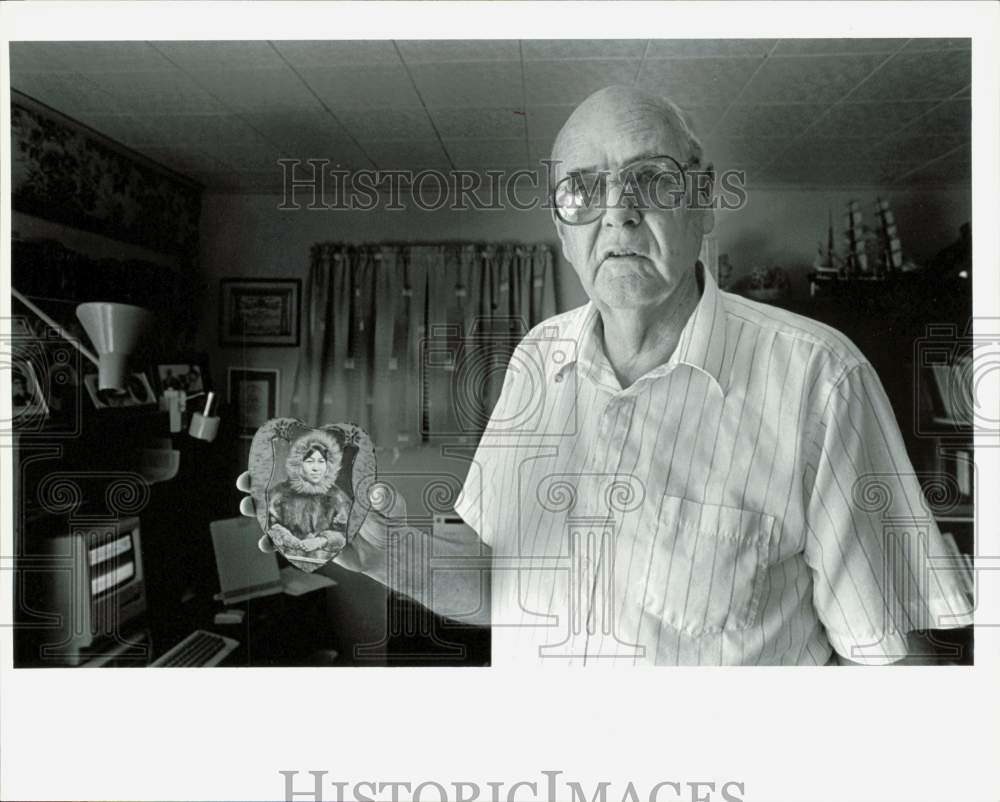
(561, 231)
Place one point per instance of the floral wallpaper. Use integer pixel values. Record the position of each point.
(62, 174)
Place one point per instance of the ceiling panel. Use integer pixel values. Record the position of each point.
(861, 120)
(698, 82)
(832, 47)
(918, 147)
(545, 121)
(927, 44)
(384, 125)
(257, 89)
(467, 153)
(216, 56)
(808, 79)
(479, 123)
(67, 92)
(779, 120)
(817, 112)
(408, 155)
(560, 82)
(444, 51)
(376, 86)
(551, 49)
(156, 92)
(358, 53)
(465, 84)
(951, 116)
(918, 76)
(703, 48)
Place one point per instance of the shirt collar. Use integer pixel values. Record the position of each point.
(702, 343)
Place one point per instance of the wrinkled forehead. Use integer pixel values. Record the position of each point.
(609, 134)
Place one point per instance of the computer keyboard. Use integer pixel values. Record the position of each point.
(200, 649)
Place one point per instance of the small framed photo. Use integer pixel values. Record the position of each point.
(28, 404)
(138, 392)
(187, 372)
(253, 394)
(259, 312)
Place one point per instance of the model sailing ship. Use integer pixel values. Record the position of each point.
(871, 254)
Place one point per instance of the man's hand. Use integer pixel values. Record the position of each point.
(387, 511)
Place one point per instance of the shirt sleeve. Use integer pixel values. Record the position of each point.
(491, 466)
(879, 564)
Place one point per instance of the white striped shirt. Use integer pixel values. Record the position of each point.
(750, 501)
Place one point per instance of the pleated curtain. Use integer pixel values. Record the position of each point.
(411, 342)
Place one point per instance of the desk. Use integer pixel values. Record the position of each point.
(277, 630)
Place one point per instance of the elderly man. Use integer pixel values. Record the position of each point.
(672, 474)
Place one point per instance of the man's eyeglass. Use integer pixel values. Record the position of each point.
(658, 182)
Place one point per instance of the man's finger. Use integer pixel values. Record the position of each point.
(243, 482)
(247, 507)
(266, 545)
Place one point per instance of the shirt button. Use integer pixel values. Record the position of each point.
(558, 377)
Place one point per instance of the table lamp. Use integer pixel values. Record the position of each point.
(114, 329)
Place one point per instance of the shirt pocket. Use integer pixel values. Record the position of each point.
(707, 566)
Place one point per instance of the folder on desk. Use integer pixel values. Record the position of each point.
(245, 572)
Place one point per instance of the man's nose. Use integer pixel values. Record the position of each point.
(621, 209)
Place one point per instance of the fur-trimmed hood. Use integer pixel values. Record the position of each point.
(300, 448)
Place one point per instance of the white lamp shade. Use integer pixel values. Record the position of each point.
(114, 329)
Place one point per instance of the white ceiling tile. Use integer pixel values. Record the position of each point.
(67, 92)
(860, 120)
(377, 86)
(950, 116)
(704, 119)
(479, 123)
(561, 82)
(302, 134)
(546, 121)
(918, 147)
(466, 153)
(539, 149)
(257, 89)
(774, 121)
(814, 149)
(124, 128)
(554, 49)
(808, 79)
(188, 161)
(460, 84)
(725, 151)
(954, 169)
(114, 56)
(408, 155)
(703, 48)
(698, 82)
(918, 76)
(930, 44)
(384, 125)
(834, 47)
(40, 57)
(437, 51)
(352, 53)
(156, 92)
(216, 56)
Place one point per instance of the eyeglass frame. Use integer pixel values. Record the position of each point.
(606, 174)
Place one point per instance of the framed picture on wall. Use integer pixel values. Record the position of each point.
(253, 394)
(259, 312)
(188, 372)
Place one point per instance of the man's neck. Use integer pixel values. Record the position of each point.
(638, 340)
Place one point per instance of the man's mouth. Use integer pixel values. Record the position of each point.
(619, 253)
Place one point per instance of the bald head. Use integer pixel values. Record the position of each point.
(614, 109)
